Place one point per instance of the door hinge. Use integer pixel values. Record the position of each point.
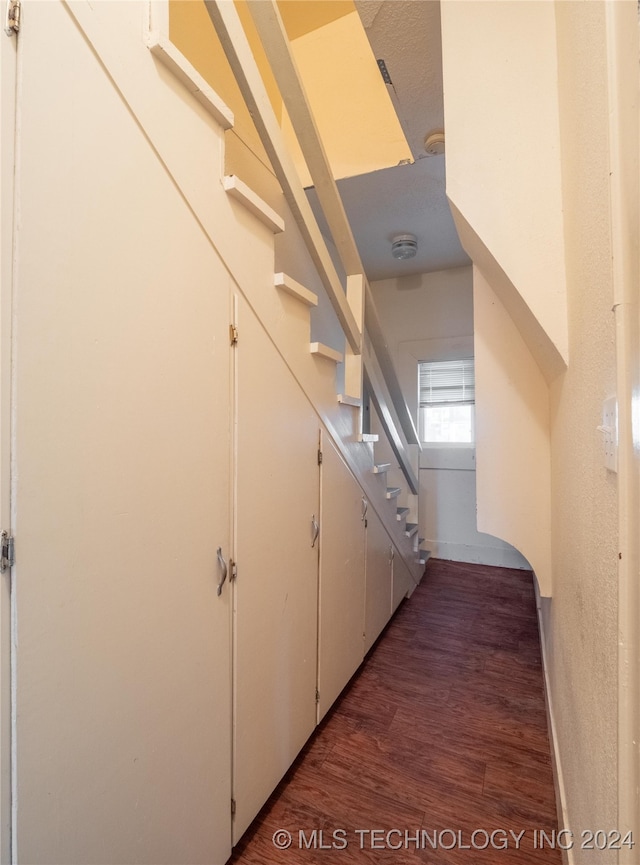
(233, 334)
(7, 552)
(233, 570)
(12, 17)
(317, 696)
(233, 807)
(319, 457)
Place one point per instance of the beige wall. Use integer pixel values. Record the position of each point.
(581, 621)
(512, 435)
(503, 163)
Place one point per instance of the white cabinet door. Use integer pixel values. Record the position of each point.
(276, 592)
(402, 582)
(341, 639)
(378, 580)
(121, 486)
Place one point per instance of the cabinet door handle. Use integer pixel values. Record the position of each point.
(315, 530)
(224, 570)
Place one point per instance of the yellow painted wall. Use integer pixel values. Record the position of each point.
(191, 31)
(353, 110)
(303, 16)
(352, 107)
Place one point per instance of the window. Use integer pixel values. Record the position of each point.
(446, 401)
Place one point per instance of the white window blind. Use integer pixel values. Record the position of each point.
(447, 382)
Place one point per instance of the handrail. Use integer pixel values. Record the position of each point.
(375, 384)
(276, 44)
(271, 29)
(387, 367)
(226, 20)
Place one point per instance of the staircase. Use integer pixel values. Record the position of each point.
(286, 312)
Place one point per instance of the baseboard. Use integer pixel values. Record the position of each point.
(568, 857)
(477, 554)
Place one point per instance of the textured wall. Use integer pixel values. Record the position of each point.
(581, 620)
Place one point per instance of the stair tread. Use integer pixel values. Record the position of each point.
(295, 289)
(178, 65)
(322, 350)
(401, 513)
(345, 399)
(423, 557)
(242, 193)
(411, 529)
(381, 468)
(393, 492)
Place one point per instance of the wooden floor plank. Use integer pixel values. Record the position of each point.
(442, 731)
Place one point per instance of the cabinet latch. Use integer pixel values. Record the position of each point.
(7, 552)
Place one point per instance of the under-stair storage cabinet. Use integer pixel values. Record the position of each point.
(191, 590)
(342, 577)
(121, 440)
(276, 590)
(402, 582)
(378, 579)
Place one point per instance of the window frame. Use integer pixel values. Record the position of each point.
(467, 373)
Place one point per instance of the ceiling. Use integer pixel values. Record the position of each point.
(407, 198)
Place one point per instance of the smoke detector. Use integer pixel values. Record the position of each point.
(434, 143)
(404, 246)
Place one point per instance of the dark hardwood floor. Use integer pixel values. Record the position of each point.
(443, 729)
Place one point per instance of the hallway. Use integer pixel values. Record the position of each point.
(444, 729)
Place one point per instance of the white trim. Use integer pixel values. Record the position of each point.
(477, 554)
(381, 468)
(239, 190)
(158, 17)
(8, 237)
(322, 350)
(345, 399)
(295, 289)
(167, 53)
(558, 777)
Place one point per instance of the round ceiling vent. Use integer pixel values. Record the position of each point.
(404, 246)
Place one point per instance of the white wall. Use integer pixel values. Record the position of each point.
(430, 317)
(580, 622)
(512, 435)
(503, 163)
